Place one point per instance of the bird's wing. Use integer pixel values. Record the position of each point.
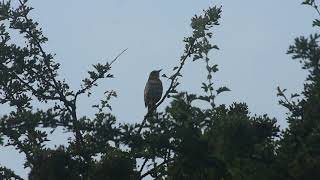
(153, 91)
(159, 90)
(146, 90)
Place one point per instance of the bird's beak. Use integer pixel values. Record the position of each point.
(159, 70)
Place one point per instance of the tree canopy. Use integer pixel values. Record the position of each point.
(184, 141)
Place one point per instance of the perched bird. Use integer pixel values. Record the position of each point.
(153, 90)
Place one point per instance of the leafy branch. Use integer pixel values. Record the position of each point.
(100, 73)
(6, 173)
(35, 37)
(27, 72)
(155, 168)
(315, 6)
(197, 45)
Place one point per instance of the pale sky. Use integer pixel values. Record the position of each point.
(253, 39)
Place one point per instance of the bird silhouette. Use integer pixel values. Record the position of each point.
(153, 90)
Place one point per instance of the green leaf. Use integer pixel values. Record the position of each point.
(316, 22)
(294, 95)
(205, 87)
(222, 89)
(204, 98)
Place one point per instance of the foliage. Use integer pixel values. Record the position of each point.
(299, 149)
(182, 142)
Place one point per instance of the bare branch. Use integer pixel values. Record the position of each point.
(118, 56)
(143, 164)
(155, 168)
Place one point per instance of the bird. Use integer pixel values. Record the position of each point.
(153, 90)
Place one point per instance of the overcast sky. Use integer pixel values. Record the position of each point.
(253, 38)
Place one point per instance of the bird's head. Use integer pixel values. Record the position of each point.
(155, 74)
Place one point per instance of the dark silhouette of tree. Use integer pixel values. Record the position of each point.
(182, 142)
(299, 148)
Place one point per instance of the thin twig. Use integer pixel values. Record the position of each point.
(156, 167)
(144, 163)
(316, 7)
(118, 56)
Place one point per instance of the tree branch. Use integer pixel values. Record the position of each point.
(155, 168)
(83, 90)
(143, 164)
(71, 107)
(34, 91)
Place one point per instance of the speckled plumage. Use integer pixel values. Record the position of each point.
(153, 89)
